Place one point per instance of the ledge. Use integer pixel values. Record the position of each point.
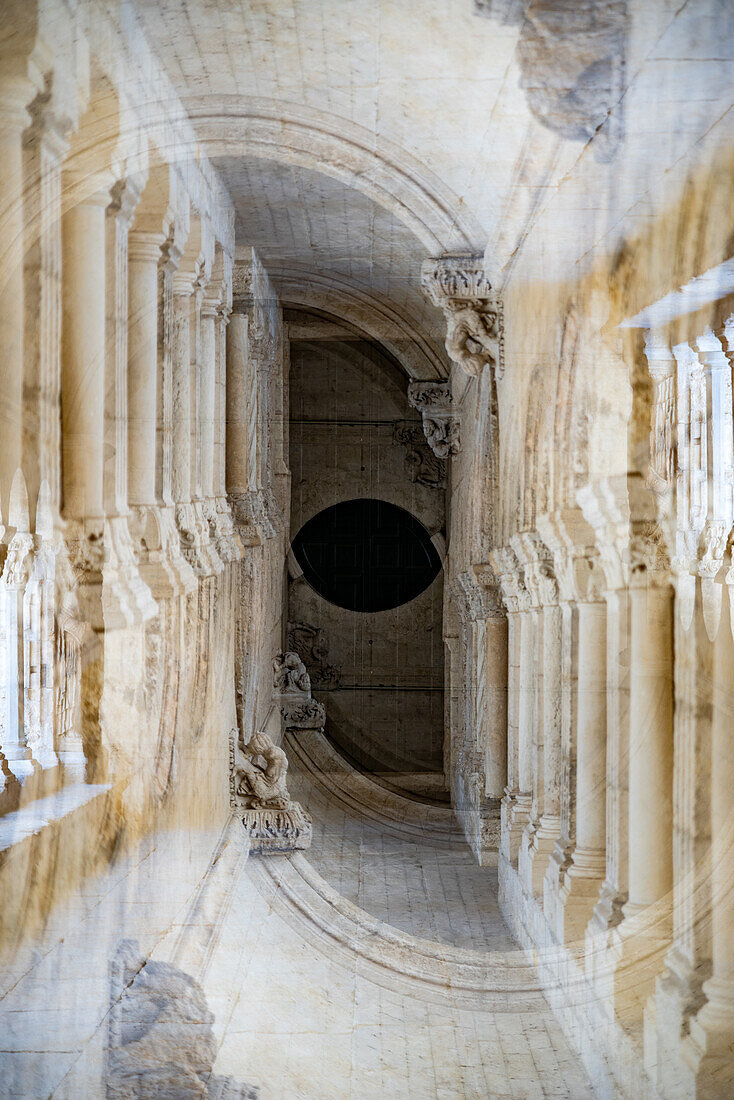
(31, 819)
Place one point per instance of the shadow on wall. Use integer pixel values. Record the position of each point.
(161, 1044)
(571, 55)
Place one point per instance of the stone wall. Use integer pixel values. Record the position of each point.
(353, 434)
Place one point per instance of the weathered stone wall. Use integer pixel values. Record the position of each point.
(353, 434)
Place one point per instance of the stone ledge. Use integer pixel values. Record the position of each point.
(31, 819)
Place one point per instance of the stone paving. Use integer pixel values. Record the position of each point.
(304, 1024)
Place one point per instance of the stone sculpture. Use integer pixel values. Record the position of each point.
(161, 1042)
(291, 677)
(459, 287)
(274, 822)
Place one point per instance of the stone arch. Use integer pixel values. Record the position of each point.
(392, 178)
(372, 317)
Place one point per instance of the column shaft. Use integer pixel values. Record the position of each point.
(208, 399)
(651, 746)
(496, 709)
(14, 120)
(83, 358)
(182, 397)
(526, 715)
(144, 254)
(237, 406)
(592, 726)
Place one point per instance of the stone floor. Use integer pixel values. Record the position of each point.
(433, 892)
(306, 1024)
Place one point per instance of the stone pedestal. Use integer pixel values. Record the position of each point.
(277, 831)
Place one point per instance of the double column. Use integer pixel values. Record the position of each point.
(576, 868)
(517, 800)
(543, 828)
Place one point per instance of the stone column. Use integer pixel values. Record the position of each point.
(209, 315)
(516, 803)
(144, 254)
(605, 507)
(544, 831)
(709, 1048)
(183, 288)
(83, 408)
(493, 733)
(127, 598)
(650, 856)
(44, 147)
(238, 394)
(583, 881)
(576, 867)
(15, 96)
(83, 358)
(640, 941)
(15, 577)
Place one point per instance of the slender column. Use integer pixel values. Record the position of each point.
(183, 286)
(712, 1030)
(144, 254)
(14, 97)
(516, 802)
(44, 149)
(237, 403)
(83, 355)
(220, 410)
(208, 395)
(552, 632)
(16, 573)
(580, 888)
(645, 931)
(526, 716)
(651, 747)
(546, 827)
(495, 724)
(196, 367)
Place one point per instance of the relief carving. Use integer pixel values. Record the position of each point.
(424, 468)
(310, 643)
(459, 287)
(275, 823)
(290, 675)
(441, 428)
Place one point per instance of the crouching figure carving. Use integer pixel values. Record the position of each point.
(260, 796)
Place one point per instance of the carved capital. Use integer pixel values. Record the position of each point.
(18, 561)
(714, 538)
(538, 569)
(440, 426)
(649, 557)
(459, 287)
(510, 575)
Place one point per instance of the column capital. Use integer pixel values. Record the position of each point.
(16, 93)
(648, 553)
(576, 561)
(145, 244)
(538, 569)
(124, 197)
(459, 287)
(509, 573)
(440, 423)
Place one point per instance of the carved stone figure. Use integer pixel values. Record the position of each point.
(459, 286)
(275, 824)
(291, 676)
(161, 1042)
(441, 429)
(472, 335)
(424, 468)
(260, 786)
